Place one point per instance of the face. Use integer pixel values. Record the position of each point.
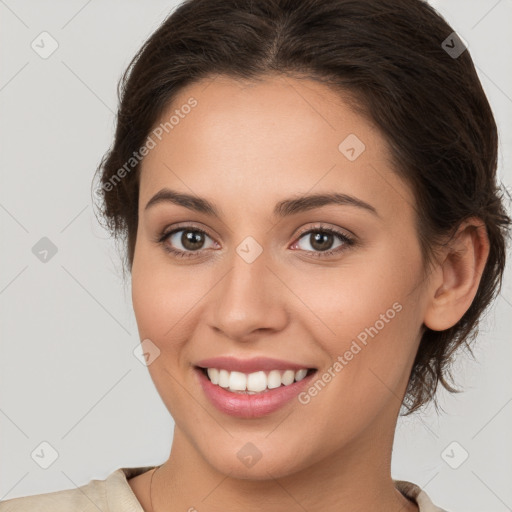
(334, 288)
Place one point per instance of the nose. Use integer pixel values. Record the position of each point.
(249, 300)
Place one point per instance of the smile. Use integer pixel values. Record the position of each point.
(256, 382)
(251, 388)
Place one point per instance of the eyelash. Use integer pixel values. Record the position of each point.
(348, 241)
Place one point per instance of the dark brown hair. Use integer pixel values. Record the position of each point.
(400, 65)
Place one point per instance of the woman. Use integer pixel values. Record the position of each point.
(308, 198)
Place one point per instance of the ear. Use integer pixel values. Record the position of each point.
(456, 278)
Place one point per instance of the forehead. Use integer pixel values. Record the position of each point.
(263, 140)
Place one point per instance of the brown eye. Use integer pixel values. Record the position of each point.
(184, 242)
(192, 240)
(321, 241)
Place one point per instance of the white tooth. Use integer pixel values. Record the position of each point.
(288, 377)
(300, 374)
(223, 378)
(256, 381)
(237, 381)
(274, 379)
(213, 373)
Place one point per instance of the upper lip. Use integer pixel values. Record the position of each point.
(255, 364)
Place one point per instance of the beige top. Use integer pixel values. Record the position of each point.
(114, 494)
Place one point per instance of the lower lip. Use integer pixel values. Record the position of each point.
(243, 405)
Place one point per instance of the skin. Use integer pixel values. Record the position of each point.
(245, 147)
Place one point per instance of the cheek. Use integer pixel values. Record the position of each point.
(159, 293)
(167, 301)
(346, 299)
(160, 296)
(367, 311)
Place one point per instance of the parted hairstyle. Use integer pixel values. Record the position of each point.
(392, 61)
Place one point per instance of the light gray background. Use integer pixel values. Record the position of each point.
(68, 375)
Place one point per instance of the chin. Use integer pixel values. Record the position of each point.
(246, 460)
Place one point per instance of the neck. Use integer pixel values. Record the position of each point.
(356, 478)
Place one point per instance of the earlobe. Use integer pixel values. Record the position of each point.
(456, 279)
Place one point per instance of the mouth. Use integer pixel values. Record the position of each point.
(255, 382)
(251, 388)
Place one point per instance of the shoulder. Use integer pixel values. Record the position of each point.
(112, 494)
(418, 495)
(86, 498)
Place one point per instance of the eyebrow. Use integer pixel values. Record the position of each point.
(282, 209)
